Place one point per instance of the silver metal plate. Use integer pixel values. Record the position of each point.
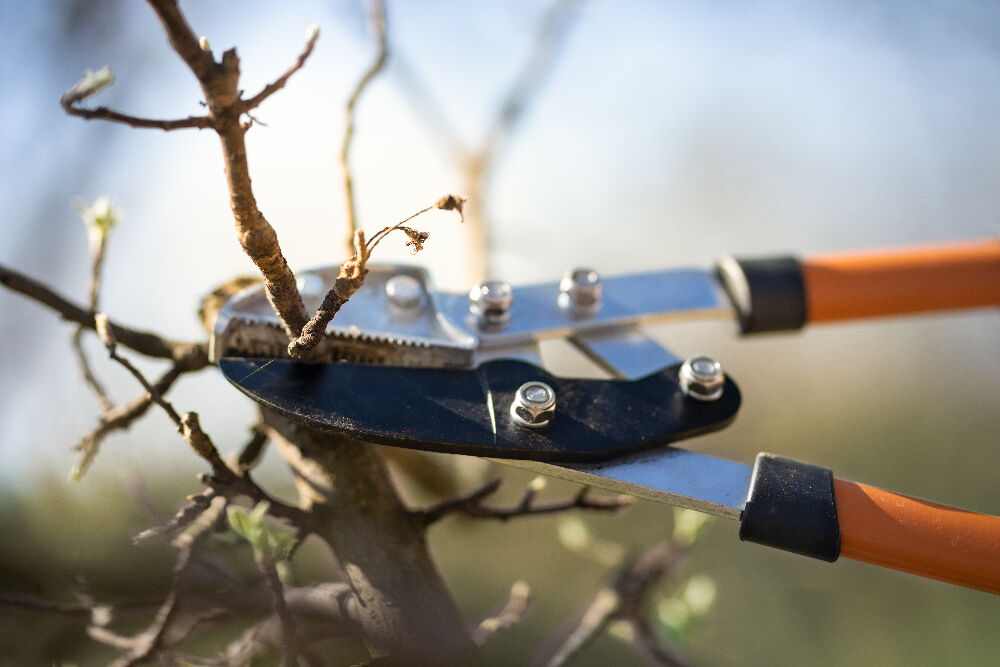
(673, 476)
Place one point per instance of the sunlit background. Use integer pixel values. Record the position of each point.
(665, 134)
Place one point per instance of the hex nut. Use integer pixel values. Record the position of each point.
(534, 405)
(580, 291)
(701, 378)
(490, 302)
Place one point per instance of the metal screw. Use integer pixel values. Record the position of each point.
(580, 291)
(534, 405)
(404, 291)
(701, 378)
(490, 302)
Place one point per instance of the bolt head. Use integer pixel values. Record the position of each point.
(404, 291)
(490, 302)
(534, 405)
(580, 290)
(701, 378)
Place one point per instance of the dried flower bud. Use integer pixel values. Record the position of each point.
(417, 238)
(452, 203)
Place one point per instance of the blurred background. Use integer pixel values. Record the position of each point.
(661, 134)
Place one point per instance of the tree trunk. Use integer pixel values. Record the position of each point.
(401, 602)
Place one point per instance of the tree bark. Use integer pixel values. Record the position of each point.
(400, 601)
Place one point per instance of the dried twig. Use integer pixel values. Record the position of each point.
(377, 21)
(354, 270)
(471, 504)
(510, 614)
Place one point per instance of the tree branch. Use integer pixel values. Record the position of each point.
(399, 598)
(191, 356)
(279, 83)
(98, 248)
(623, 600)
(510, 614)
(288, 644)
(471, 504)
(220, 85)
(104, 113)
(120, 418)
(377, 20)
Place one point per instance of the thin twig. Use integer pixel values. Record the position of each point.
(279, 83)
(510, 614)
(471, 504)
(289, 643)
(104, 113)
(192, 356)
(624, 600)
(88, 373)
(652, 647)
(377, 21)
(98, 249)
(595, 619)
(142, 646)
(120, 418)
(111, 344)
(251, 453)
(458, 503)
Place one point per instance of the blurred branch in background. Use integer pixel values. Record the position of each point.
(377, 25)
(478, 164)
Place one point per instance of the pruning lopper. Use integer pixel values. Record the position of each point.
(407, 366)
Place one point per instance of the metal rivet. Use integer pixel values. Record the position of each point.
(580, 290)
(534, 405)
(701, 378)
(404, 291)
(490, 302)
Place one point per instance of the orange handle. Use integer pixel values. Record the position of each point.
(903, 280)
(919, 537)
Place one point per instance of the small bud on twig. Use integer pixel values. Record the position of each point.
(103, 330)
(99, 218)
(91, 84)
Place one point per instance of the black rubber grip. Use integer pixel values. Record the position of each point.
(768, 294)
(791, 506)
